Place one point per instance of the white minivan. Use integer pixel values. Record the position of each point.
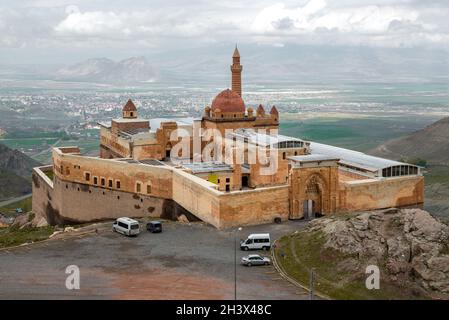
(256, 241)
(126, 226)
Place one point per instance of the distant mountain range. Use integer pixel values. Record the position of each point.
(261, 64)
(136, 69)
(15, 173)
(430, 144)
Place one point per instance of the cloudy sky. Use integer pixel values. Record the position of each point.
(43, 31)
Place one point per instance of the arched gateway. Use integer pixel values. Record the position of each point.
(313, 188)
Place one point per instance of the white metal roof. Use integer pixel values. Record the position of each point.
(354, 158)
(262, 139)
(313, 157)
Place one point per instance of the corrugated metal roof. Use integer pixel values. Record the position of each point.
(354, 158)
(262, 139)
(313, 157)
(211, 166)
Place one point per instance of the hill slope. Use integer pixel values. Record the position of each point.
(430, 144)
(15, 173)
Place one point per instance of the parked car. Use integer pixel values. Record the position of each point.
(126, 226)
(256, 241)
(154, 226)
(255, 260)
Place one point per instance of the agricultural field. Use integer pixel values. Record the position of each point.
(358, 133)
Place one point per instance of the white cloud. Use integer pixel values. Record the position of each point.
(321, 22)
(315, 15)
(165, 24)
(91, 23)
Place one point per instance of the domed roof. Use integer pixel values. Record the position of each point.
(129, 106)
(228, 101)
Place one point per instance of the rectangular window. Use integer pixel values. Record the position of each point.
(110, 183)
(87, 176)
(148, 189)
(121, 224)
(95, 180)
(228, 179)
(117, 183)
(103, 181)
(138, 187)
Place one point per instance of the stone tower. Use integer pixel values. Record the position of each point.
(129, 110)
(236, 70)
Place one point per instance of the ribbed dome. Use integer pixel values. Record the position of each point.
(228, 101)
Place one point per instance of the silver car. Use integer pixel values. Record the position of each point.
(255, 260)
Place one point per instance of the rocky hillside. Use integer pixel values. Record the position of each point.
(430, 144)
(409, 246)
(15, 173)
(104, 70)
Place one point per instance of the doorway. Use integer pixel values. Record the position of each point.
(309, 209)
(167, 151)
(245, 181)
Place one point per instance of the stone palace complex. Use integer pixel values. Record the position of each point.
(229, 168)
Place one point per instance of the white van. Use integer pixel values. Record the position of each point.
(126, 226)
(256, 241)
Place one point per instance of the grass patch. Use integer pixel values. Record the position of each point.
(13, 236)
(50, 174)
(436, 174)
(335, 276)
(25, 205)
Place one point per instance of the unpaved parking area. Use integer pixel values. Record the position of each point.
(186, 261)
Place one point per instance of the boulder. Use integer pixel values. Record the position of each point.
(21, 220)
(183, 218)
(409, 243)
(42, 222)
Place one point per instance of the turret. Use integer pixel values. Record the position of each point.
(129, 110)
(260, 111)
(274, 113)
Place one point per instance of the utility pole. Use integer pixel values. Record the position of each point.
(235, 266)
(312, 283)
(235, 262)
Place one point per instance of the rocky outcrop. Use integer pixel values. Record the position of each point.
(15, 173)
(410, 246)
(16, 162)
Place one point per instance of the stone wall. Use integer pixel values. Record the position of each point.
(63, 202)
(197, 196)
(253, 207)
(377, 194)
(44, 202)
(114, 144)
(75, 168)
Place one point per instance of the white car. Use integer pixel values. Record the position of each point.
(255, 260)
(126, 226)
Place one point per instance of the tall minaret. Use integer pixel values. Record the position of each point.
(236, 69)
